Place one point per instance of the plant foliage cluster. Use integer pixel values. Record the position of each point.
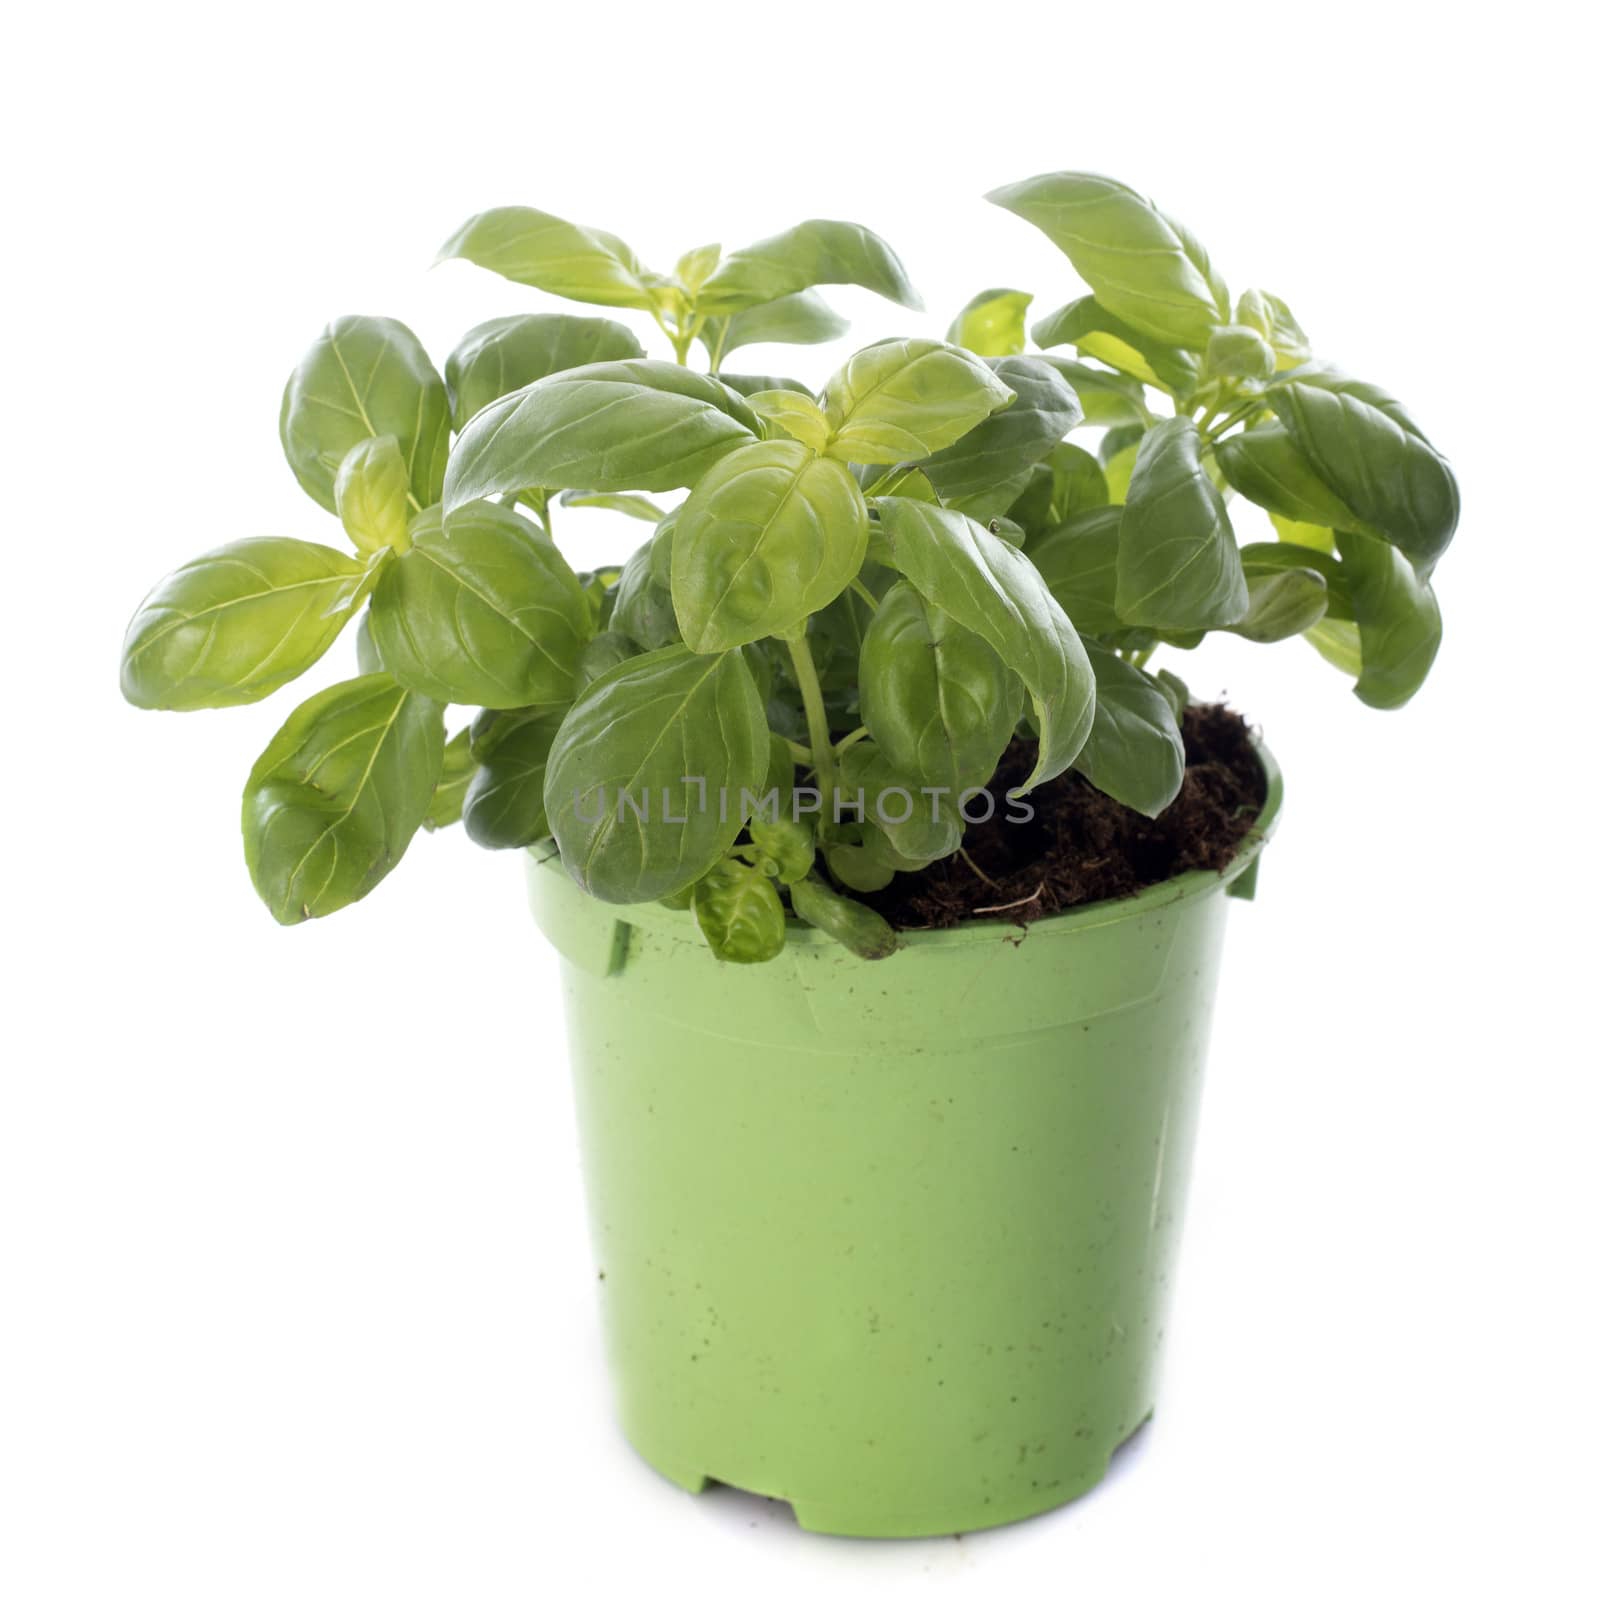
(868, 591)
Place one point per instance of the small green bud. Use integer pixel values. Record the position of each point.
(370, 495)
(857, 927)
(1237, 351)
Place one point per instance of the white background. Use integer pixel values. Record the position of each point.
(294, 1289)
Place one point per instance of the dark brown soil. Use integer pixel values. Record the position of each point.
(1082, 845)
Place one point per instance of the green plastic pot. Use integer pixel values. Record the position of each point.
(892, 1240)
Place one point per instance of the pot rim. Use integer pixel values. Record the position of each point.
(1095, 913)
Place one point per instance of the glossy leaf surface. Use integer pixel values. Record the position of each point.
(508, 353)
(615, 425)
(640, 747)
(935, 696)
(771, 534)
(792, 416)
(993, 323)
(989, 465)
(365, 377)
(857, 927)
(503, 808)
(1177, 564)
(1134, 751)
(739, 913)
(1078, 562)
(1096, 332)
(1143, 266)
(903, 399)
(1397, 619)
(1266, 466)
(338, 794)
(803, 318)
(449, 790)
(918, 827)
(371, 493)
(486, 613)
(231, 626)
(994, 590)
(560, 257)
(1364, 445)
(801, 257)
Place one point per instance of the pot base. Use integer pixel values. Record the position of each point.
(869, 1522)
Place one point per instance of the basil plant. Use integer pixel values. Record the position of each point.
(802, 682)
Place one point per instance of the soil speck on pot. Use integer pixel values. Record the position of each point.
(1083, 846)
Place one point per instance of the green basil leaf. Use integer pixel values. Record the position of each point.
(1109, 399)
(985, 470)
(1364, 445)
(231, 626)
(1275, 322)
(643, 609)
(903, 399)
(786, 845)
(338, 794)
(837, 632)
(854, 865)
(508, 353)
(599, 592)
(994, 590)
(780, 759)
(1119, 474)
(504, 804)
(857, 927)
(487, 613)
(1134, 751)
(1288, 556)
(804, 318)
(1284, 601)
(368, 660)
(1177, 564)
(1078, 563)
(1118, 454)
(877, 800)
(695, 266)
(936, 698)
(917, 825)
(1397, 618)
(791, 415)
(647, 777)
(749, 383)
(1031, 509)
(1176, 691)
(1117, 440)
(1302, 533)
(450, 790)
(1265, 466)
(1338, 643)
(1142, 265)
(365, 377)
(1077, 483)
(993, 323)
(770, 534)
(602, 653)
(1237, 351)
(372, 495)
(544, 252)
(1088, 325)
(630, 505)
(812, 253)
(614, 425)
(739, 913)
